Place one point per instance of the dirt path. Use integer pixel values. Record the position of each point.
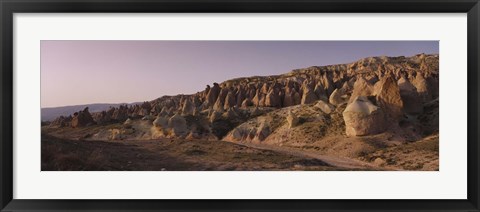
(336, 161)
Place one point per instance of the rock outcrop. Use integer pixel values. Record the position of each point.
(82, 118)
(386, 90)
(389, 99)
(412, 101)
(362, 117)
(62, 121)
(361, 87)
(160, 122)
(325, 107)
(337, 97)
(292, 120)
(177, 125)
(308, 96)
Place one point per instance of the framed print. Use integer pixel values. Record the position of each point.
(239, 105)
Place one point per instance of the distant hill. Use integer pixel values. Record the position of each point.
(49, 114)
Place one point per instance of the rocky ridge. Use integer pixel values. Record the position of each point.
(371, 96)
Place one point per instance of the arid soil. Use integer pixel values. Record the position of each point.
(167, 155)
(78, 153)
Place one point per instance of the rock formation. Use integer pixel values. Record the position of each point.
(337, 97)
(308, 96)
(412, 101)
(389, 99)
(82, 118)
(292, 120)
(367, 95)
(178, 125)
(363, 118)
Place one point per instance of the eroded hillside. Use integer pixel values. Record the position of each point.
(381, 111)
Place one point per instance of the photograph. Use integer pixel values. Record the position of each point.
(239, 105)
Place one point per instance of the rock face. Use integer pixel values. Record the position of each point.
(422, 87)
(160, 122)
(212, 94)
(412, 101)
(272, 99)
(288, 99)
(263, 131)
(188, 108)
(82, 118)
(178, 125)
(389, 99)
(320, 91)
(292, 120)
(336, 98)
(246, 103)
(363, 118)
(308, 96)
(361, 88)
(229, 101)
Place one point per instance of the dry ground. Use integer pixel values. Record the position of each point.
(71, 149)
(168, 155)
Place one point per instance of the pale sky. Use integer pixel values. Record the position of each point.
(85, 72)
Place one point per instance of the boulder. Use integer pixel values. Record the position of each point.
(363, 118)
(325, 107)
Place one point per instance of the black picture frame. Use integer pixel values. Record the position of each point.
(9, 7)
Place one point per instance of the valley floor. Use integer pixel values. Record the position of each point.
(179, 155)
(71, 150)
(167, 155)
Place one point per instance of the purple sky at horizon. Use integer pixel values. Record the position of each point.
(86, 72)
